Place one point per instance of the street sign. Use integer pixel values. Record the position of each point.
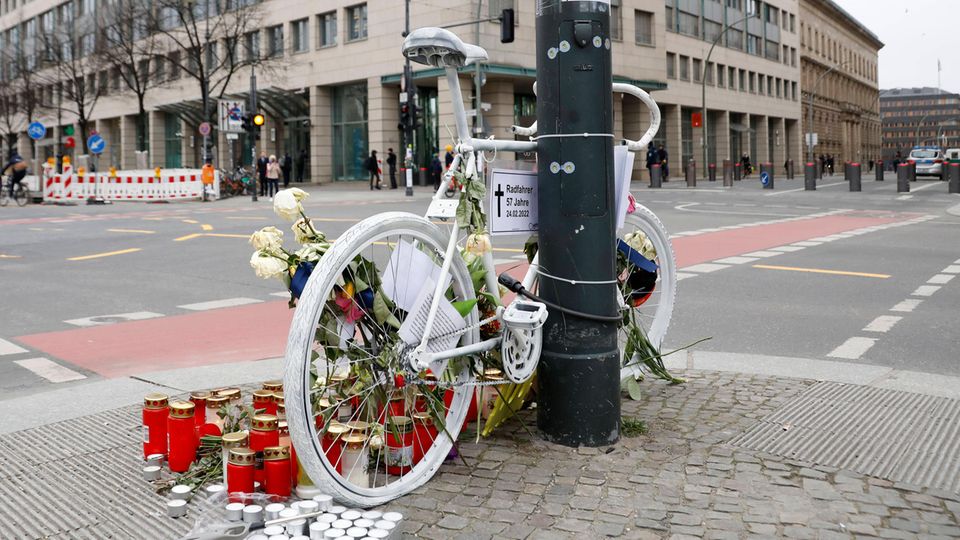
(37, 131)
(764, 178)
(230, 115)
(513, 202)
(232, 136)
(204, 128)
(808, 137)
(96, 144)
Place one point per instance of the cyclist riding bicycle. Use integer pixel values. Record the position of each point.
(18, 169)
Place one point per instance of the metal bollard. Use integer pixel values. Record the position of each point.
(790, 174)
(727, 173)
(712, 172)
(691, 173)
(913, 171)
(810, 176)
(953, 174)
(854, 173)
(737, 171)
(768, 169)
(656, 177)
(903, 178)
(878, 166)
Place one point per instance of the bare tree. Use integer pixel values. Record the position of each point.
(130, 48)
(206, 36)
(19, 97)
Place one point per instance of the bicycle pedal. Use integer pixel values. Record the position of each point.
(525, 315)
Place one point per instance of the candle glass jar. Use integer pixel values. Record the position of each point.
(355, 460)
(276, 464)
(263, 402)
(284, 430)
(155, 412)
(263, 433)
(399, 437)
(273, 386)
(240, 477)
(182, 436)
(424, 433)
(332, 444)
(229, 441)
(277, 401)
(214, 406)
(199, 400)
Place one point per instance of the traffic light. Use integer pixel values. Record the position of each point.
(404, 117)
(506, 26)
(251, 123)
(246, 123)
(68, 130)
(258, 121)
(416, 117)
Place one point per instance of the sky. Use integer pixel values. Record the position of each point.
(915, 34)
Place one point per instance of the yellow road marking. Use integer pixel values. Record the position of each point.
(2, 256)
(107, 254)
(217, 235)
(249, 218)
(193, 221)
(188, 237)
(509, 250)
(206, 227)
(821, 271)
(141, 231)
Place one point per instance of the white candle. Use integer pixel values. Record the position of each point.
(355, 460)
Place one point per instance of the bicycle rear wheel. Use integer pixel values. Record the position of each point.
(21, 195)
(650, 297)
(348, 392)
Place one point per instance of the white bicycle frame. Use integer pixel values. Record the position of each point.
(470, 146)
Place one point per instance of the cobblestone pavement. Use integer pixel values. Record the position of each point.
(80, 479)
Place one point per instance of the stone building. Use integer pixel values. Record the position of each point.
(838, 59)
(918, 116)
(329, 83)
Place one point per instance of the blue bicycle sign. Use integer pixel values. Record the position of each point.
(96, 144)
(764, 178)
(36, 131)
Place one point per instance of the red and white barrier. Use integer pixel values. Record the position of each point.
(137, 185)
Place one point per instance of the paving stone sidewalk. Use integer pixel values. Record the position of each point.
(80, 479)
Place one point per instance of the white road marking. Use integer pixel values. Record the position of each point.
(705, 268)
(940, 279)
(50, 371)
(930, 185)
(735, 260)
(217, 304)
(853, 348)
(682, 276)
(952, 269)
(106, 319)
(763, 254)
(803, 188)
(787, 249)
(882, 323)
(9, 348)
(904, 197)
(807, 244)
(907, 305)
(925, 290)
(282, 294)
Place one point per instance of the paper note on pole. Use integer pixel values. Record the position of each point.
(405, 273)
(513, 202)
(447, 323)
(623, 169)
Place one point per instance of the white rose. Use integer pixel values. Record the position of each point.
(478, 244)
(267, 238)
(305, 233)
(639, 241)
(267, 266)
(312, 252)
(286, 203)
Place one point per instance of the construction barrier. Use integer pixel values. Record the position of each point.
(134, 185)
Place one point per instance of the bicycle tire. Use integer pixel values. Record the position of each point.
(657, 310)
(21, 195)
(378, 233)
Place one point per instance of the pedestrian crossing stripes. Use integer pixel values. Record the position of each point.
(50, 370)
(9, 348)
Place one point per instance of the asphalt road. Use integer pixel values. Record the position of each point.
(68, 271)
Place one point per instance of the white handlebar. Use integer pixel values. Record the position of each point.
(638, 93)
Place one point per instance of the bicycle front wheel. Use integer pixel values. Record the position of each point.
(649, 297)
(21, 195)
(366, 429)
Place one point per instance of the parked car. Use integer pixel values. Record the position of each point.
(929, 161)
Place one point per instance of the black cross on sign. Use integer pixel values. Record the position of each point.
(498, 194)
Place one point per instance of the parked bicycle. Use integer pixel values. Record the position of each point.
(21, 194)
(238, 182)
(400, 337)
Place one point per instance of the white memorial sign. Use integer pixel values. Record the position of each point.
(513, 202)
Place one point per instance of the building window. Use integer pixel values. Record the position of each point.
(688, 23)
(697, 70)
(644, 27)
(711, 30)
(671, 65)
(668, 18)
(753, 82)
(87, 44)
(793, 23)
(212, 57)
(721, 70)
(684, 68)
(742, 83)
(275, 41)
(357, 22)
(772, 51)
(350, 132)
(174, 65)
(301, 35)
(793, 56)
(251, 43)
(735, 38)
(86, 7)
(616, 21)
(731, 78)
(770, 85)
(709, 73)
(754, 44)
(328, 29)
(160, 71)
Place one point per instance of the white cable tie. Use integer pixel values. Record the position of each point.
(574, 281)
(559, 135)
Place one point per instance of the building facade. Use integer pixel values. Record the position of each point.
(838, 58)
(329, 76)
(918, 117)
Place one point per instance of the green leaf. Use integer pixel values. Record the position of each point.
(464, 212)
(477, 190)
(392, 321)
(633, 389)
(380, 309)
(478, 278)
(464, 307)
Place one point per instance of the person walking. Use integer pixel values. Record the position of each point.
(392, 164)
(273, 176)
(287, 168)
(262, 172)
(448, 158)
(374, 168)
(745, 165)
(436, 170)
(301, 164)
(662, 156)
(651, 159)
